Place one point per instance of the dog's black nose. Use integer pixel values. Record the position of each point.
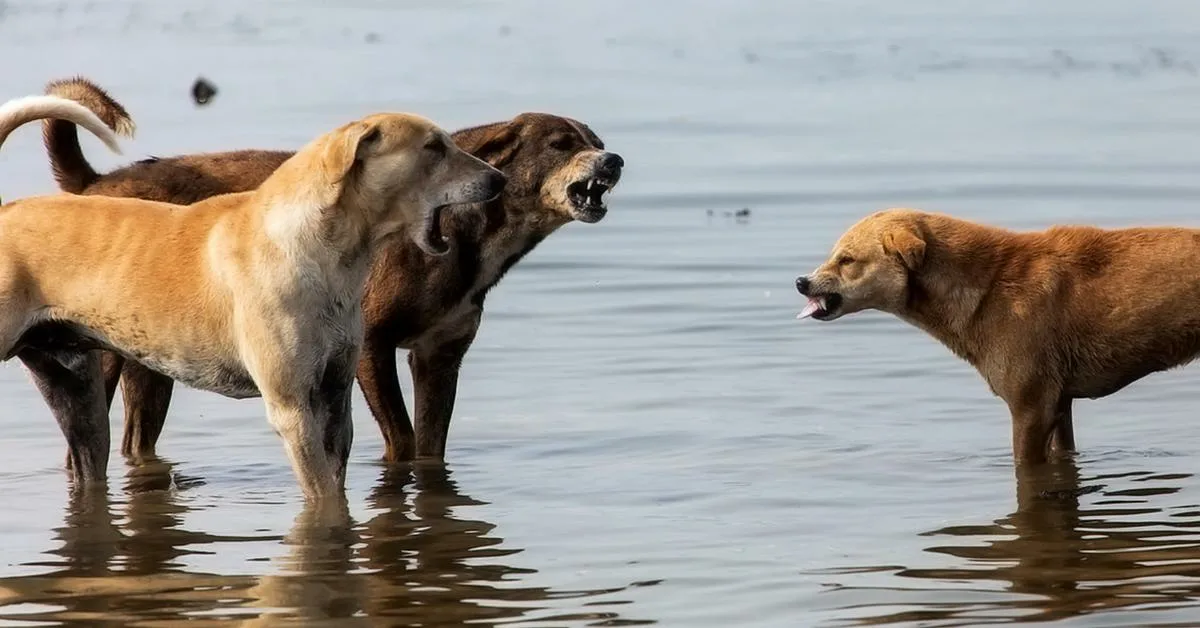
(496, 182)
(612, 161)
(802, 285)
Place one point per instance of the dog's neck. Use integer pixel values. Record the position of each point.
(511, 227)
(334, 241)
(338, 221)
(961, 270)
(323, 235)
(518, 219)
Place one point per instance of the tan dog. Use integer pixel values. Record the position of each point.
(1046, 317)
(250, 294)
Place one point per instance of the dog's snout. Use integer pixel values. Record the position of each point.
(803, 285)
(611, 162)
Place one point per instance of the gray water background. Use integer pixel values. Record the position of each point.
(644, 434)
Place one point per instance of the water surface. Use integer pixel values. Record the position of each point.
(644, 434)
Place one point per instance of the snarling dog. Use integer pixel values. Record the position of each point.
(249, 294)
(558, 171)
(1046, 317)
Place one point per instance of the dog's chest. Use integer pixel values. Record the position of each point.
(340, 316)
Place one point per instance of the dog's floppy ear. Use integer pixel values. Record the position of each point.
(494, 143)
(355, 142)
(905, 243)
(368, 141)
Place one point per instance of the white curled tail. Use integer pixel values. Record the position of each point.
(21, 111)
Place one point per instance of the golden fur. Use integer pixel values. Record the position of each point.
(250, 294)
(1046, 317)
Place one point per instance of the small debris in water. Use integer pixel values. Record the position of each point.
(203, 91)
(740, 216)
(1070, 493)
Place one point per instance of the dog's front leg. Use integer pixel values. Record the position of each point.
(147, 396)
(435, 386)
(334, 402)
(293, 420)
(1063, 439)
(380, 386)
(72, 386)
(277, 355)
(1034, 419)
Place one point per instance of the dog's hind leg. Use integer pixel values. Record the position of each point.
(147, 396)
(111, 364)
(72, 386)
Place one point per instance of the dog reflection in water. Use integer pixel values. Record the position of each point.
(417, 558)
(1072, 548)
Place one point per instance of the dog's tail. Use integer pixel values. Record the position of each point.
(71, 169)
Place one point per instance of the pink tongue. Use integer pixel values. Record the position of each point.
(814, 304)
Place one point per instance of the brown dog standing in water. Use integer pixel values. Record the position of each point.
(558, 172)
(1046, 317)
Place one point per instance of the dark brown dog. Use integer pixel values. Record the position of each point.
(558, 171)
(1046, 317)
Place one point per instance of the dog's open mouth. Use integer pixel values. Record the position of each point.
(432, 241)
(588, 198)
(821, 307)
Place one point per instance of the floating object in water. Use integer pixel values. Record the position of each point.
(203, 91)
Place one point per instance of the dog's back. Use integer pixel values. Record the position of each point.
(183, 179)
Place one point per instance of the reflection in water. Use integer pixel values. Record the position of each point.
(412, 562)
(426, 558)
(109, 572)
(1054, 559)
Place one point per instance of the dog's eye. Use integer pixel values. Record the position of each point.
(560, 142)
(436, 145)
(845, 260)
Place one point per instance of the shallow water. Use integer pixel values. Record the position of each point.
(644, 434)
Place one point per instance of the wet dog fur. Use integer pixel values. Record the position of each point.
(1047, 317)
(253, 294)
(558, 171)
